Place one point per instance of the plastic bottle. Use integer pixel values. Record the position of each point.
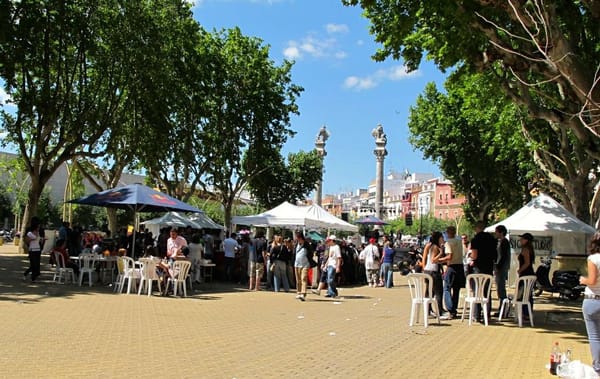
(554, 358)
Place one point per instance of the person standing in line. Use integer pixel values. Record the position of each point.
(334, 263)
(32, 239)
(387, 270)
(454, 277)
(209, 242)
(370, 257)
(432, 254)
(526, 259)
(591, 301)
(230, 249)
(301, 266)
(279, 258)
(483, 256)
(502, 263)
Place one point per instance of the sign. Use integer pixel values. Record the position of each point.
(542, 245)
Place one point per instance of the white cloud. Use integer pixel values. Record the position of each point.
(394, 73)
(291, 52)
(313, 46)
(337, 28)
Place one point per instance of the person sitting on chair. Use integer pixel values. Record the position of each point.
(61, 248)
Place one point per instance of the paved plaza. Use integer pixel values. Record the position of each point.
(223, 331)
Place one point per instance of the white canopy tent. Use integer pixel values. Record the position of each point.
(553, 227)
(178, 220)
(289, 216)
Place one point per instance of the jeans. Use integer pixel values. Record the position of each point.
(331, 290)
(229, 268)
(453, 281)
(438, 288)
(591, 316)
(387, 274)
(501, 278)
(35, 258)
(280, 276)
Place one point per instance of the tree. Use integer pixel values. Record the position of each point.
(64, 100)
(474, 134)
(291, 181)
(544, 53)
(250, 104)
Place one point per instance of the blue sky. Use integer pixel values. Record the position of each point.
(344, 88)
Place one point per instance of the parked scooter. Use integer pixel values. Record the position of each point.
(413, 261)
(565, 282)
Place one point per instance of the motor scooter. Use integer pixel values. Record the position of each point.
(564, 282)
(412, 261)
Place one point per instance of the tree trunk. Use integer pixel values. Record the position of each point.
(111, 215)
(33, 196)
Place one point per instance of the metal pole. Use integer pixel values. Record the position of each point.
(380, 153)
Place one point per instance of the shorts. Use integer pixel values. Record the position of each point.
(256, 266)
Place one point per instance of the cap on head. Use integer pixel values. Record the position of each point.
(332, 238)
(372, 240)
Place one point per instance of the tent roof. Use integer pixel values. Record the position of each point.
(198, 221)
(542, 214)
(289, 215)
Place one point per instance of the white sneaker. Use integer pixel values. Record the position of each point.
(299, 296)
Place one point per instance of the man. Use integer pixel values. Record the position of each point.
(483, 256)
(454, 277)
(208, 245)
(301, 266)
(256, 269)
(370, 258)
(175, 244)
(502, 263)
(230, 248)
(334, 263)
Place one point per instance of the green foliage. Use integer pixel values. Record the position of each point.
(287, 181)
(427, 224)
(473, 133)
(48, 212)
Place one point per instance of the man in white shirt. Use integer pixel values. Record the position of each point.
(175, 244)
(334, 264)
(230, 248)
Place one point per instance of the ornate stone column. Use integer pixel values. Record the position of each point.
(320, 146)
(380, 153)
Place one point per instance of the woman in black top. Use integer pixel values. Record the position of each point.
(525, 258)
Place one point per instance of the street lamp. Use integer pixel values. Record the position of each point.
(320, 147)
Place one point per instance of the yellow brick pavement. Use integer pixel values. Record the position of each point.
(67, 331)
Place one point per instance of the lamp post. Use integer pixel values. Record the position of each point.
(380, 153)
(320, 146)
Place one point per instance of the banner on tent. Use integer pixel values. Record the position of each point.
(541, 244)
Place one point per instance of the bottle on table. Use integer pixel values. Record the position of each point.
(554, 358)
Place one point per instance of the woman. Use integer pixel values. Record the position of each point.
(431, 256)
(32, 239)
(591, 302)
(386, 267)
(279, 257)
(526, 258)
(301, 266)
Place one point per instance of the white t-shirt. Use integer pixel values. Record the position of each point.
(370, 255)
(594, 290)
(334, 254)
(34, 241)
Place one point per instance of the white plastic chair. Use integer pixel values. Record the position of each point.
(526, 283)
(148, 275)
(87, 265)
(421, 284)
(179, 276)
(62, 271)
(127, 271)
(478, 292)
